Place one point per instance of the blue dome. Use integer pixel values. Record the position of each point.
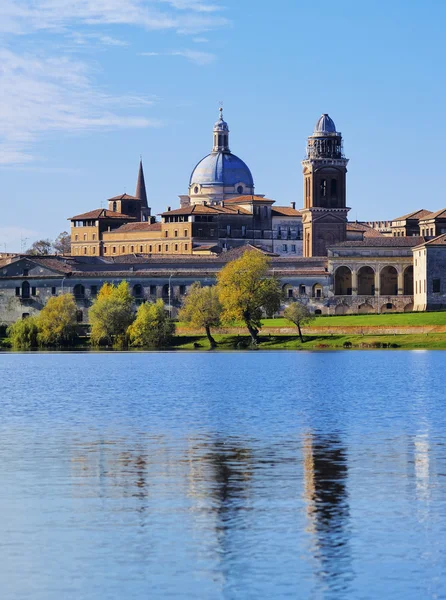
(325, 125)
(221, 168)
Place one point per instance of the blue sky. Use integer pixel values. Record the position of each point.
(86, 86)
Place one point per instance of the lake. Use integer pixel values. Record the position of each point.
(313, 475)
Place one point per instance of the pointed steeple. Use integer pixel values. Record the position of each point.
(141, 187)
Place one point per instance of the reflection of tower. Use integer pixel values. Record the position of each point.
(324, 215)
(325, 475)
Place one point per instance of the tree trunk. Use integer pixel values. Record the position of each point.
(253, 332)
(300, 333)
(212, 342)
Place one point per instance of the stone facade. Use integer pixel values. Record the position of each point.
(429, 260)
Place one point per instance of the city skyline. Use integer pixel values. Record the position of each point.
(88, 89)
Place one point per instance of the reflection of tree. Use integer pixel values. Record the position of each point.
(326, 471)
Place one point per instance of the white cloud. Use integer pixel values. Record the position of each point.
(195, 56)
(42, 95)
(85, 39)
(25, 16)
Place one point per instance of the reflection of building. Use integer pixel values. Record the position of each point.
(325, 479)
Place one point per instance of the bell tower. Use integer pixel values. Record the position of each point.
(324, 215)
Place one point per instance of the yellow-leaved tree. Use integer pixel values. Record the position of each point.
(202, 309)
(246, 291)
(152, 328)
(57, 321)
(111, 314)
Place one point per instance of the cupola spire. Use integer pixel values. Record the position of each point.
(141, 186)
(221, 134)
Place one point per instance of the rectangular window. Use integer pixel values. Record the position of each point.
(94, 249)
(182, 289)
(176, 247)
(302, 290)
(185, 247)
(105, 249)
(123, 249)
(114, 249)
(290, 292)
(53, 291)
(166, 234)
(185, 233)
(25, 272)
(176, 233)
(17, 291)
(243, 230)
(76, 237)
(94, 237)
(284, 247)
(85, 250)
(94, 290)
(293, 247)
(33, 291)
(167, 247)
(228, 230)
(153, 290)
(436, 286)
(150, 249)
(132, 249)
(159, 248)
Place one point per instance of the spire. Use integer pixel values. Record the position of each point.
(221, 135)
(141, 186)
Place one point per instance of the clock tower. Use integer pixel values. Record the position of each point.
(324, 215)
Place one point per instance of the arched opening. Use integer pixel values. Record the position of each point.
(240, 189)
(165, 292)
(342, 309)
(365, 308)
(388, 281)
(138, 290)
(287, 290)
(388, 308)
(366, 281)
(25, 290)
(79, 291)
(408, 281)
(317, 290)
(114, 207)
(343, 281)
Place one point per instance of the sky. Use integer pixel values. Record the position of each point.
(89, 86)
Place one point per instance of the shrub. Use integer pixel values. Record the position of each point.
(152, 328)
(23, 333)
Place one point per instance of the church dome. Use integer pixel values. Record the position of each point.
(325, 125)
(221, 168)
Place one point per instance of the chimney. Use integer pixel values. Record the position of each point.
(293, 205)
(168, 209)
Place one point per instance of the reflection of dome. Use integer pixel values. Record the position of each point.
(221, 168)
(325, 125)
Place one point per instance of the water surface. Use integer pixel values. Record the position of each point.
(222, 475)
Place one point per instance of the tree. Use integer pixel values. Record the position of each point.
(111, 314)
(23, 333)
(62, 244)
(57, 321)
(40, 247)
(152, 328)
(244, 289)
(298, 314)
(202, 308)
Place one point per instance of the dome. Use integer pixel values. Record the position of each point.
(325, 125)
(221, 168)
(221, 124)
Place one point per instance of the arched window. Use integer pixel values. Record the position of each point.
(114, 206)
(240, 189)
(138, 290)
(196, 189)
(79, 291)
(323, 188)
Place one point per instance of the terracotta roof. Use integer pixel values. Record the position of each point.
(198, 247)
(102, 213)
(440, 240)
(248, 199)
(367, 230)
(439, 214)
(201, 209)
(416, 214)
(383, 242)
(286, 211)
(237, 252)
(123, 197)
(138, 227)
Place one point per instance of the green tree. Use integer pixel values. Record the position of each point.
(152, 328)
(202, 308)
(111, 314)
(40, 247)
(57, 321)
(298, 314)
(245, 290)
(23, 333)
(62, 244)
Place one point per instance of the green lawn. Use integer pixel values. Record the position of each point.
(398, 319)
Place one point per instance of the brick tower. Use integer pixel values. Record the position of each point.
(324, 215)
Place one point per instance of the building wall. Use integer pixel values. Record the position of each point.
(430, 278)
